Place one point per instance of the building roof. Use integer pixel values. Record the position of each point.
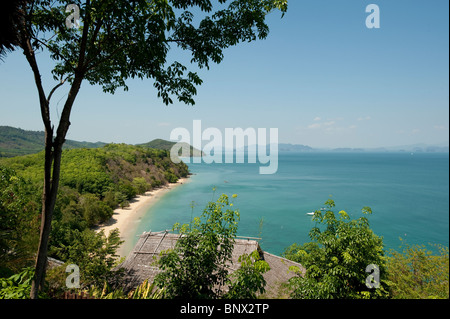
(140, 263)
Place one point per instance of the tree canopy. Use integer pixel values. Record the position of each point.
(106, 42)
(418, 273)
(197, 267)
(337, 258)
(117, 40)
(18, 204)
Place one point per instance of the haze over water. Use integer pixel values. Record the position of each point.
(408, 194)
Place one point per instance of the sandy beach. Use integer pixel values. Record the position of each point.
(126, 219)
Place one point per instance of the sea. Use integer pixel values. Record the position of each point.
(407, 192)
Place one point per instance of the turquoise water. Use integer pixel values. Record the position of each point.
(408, 194)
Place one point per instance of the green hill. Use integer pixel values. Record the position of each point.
(16, 142)
(93, 182)
(95, 170)
(113, 174)
(167, 145)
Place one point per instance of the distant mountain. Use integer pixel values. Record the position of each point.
(167, 145)
(420, 148)
(15, 142)
(282, 147)
(414, 148)
(347, 149)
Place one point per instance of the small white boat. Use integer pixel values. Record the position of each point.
(312, 213)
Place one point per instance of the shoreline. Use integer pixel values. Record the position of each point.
(126, 219)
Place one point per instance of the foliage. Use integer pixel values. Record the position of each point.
(147, 290)
(418, 273)
(141, 185)
(297, 252)
(83, 170)
(93, 183)
(112, 167)
(170, 176)
(10, 17)
(167, 145)
(195, 268)
(337, 258)
(17, 286)
(109, 49)
(94, 211)
(106, 292)
(93, 252)
(248, 279)
(19, 225)
(16, 142)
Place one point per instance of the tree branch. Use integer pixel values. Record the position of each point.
(55, 88)
(91, 56)
(49, 48)
(98, 26)
(84, 37)
(29, 54)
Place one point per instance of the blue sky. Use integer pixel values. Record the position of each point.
(321, 77)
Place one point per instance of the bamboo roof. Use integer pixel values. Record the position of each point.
(140, 263)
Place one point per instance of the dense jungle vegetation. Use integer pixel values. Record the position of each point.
(93, 183)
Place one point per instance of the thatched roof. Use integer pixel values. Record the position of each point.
(140, 263)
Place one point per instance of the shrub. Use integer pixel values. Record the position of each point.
(418, 273)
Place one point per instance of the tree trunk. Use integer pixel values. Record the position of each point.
(46, 217)
(52, 168)
(53, 147)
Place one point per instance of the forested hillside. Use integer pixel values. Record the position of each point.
(93, 183)
(167, 145)
(15, 142)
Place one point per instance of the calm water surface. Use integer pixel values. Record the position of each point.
(408, 194)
